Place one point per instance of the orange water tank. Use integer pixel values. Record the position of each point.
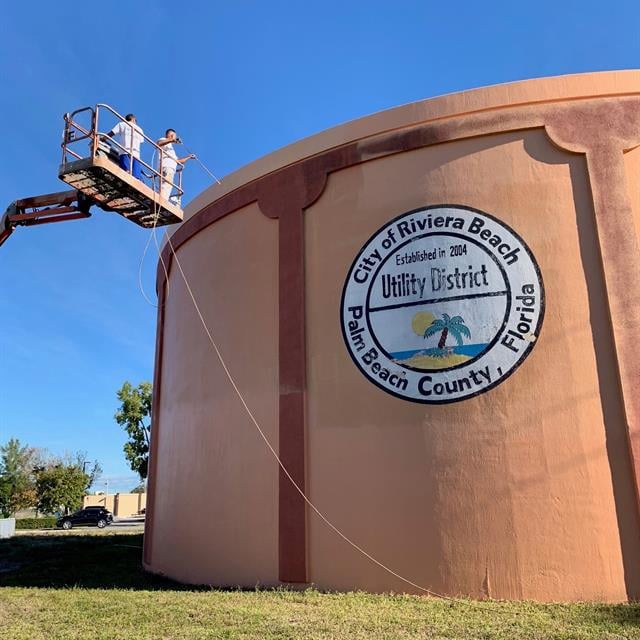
(434, 315)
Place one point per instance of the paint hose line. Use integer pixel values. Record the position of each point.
(162, 262)
(140, 284)
(202, 164)
(153, 234)
(312, 506)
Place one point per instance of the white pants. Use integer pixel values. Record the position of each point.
(166, 185)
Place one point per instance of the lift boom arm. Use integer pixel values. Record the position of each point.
(45, 209)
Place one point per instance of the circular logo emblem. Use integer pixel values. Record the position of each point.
(442, 304)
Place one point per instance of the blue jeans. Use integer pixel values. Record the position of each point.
(125, 163)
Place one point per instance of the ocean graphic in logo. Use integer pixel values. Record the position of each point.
(443, 355)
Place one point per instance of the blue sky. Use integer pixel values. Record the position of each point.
(237, 80)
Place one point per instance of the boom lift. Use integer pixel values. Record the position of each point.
(97, 178)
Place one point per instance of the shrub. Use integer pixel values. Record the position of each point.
(37, 523)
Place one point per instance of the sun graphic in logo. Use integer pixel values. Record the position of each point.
(421, 322)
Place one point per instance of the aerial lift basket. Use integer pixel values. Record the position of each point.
(91, 165)
(100, 177)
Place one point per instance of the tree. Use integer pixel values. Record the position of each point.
(63, 483)
(17, 490)
(447, 325)
(134, 415)
(141, 488)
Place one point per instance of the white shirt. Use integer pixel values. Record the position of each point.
(169, 157)
(123, 133)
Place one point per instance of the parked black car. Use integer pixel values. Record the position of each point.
(98, 516)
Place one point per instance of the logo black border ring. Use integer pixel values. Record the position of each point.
(499, 380)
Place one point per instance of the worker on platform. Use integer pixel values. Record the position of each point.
(167, 163)
(129, 136)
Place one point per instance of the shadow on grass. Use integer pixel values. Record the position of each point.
(590, 615)
(115, 562)
(76, 560)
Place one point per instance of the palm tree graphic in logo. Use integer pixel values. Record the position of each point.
(445, 326)
(427, 324)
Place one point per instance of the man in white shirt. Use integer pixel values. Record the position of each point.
(168, 162)
(129, 136)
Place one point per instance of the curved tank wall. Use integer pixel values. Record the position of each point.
(497, 461)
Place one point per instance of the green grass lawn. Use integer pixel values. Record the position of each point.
(79, 586)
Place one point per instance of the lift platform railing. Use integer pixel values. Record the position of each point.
(100, 143)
